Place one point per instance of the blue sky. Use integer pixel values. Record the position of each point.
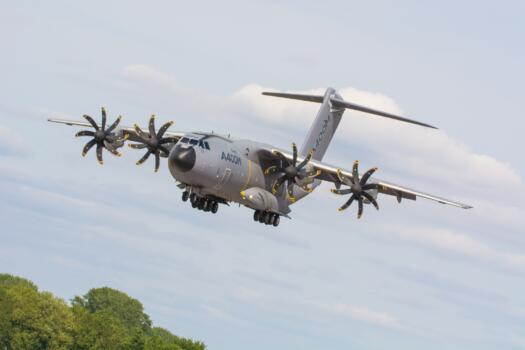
(409, 276)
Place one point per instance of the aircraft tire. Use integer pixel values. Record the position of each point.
(267, 218)
(214, 207)
(276, 220)
(185, 196)
(256, 215)
(200, 204)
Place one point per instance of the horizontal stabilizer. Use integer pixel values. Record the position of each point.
(340, 103)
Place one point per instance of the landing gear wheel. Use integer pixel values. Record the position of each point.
(276, 220)
(208, 205)
(256, 215)
(200, 204)
(185, 196)
(215, 207)
(193, 198)
(267, 218)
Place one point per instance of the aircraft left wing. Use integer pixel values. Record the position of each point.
(127, 132)
(112, 136)
(333, 174)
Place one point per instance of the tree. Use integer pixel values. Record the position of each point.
(128, 310)
(32, 320)
(103, 319)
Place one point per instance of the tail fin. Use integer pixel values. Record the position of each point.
(328, 118)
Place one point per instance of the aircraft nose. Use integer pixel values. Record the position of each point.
(182, 159)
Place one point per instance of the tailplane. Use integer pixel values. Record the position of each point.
(328, 118)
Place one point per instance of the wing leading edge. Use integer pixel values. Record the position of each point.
(329, 173)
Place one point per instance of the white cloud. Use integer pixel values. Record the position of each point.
(427, 152)
(11, 143)
(461, 244)
(362, 314)
(145, 73)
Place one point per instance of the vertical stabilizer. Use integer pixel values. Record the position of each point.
(323, 127)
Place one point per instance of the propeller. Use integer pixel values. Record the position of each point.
(102, 137)
(358, 188)
(292, 173)
(153, 141)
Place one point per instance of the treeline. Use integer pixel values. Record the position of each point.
(103, 319)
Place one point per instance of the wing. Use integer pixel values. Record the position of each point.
(329, 173)
(125, 131)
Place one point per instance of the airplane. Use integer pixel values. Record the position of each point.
(213, 169)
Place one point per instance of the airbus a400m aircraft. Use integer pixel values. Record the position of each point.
(214, 169)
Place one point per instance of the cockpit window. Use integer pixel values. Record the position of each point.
(194, 142)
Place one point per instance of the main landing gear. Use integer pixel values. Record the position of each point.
(267, 218)
(201, 203)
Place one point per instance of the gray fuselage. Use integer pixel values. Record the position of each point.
(222, 167)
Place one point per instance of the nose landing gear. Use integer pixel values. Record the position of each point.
(266, 217)
(201, 203)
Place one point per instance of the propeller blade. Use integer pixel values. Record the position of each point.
(305, 160)
(104, 119)
(84, 133)
(355, 172)
(277, 183)
(143, 135)
(289, 189)
(115, 124)
(341, 192)
(143, 159)
(91, 121)
(348, 203)
(294, 154)
(164, 150)
(370, 187)
(163, 129)
(157, 161)
(366, 176)
(88, 146)
(151, 125)
(371, 199)
(99, 153)
(360, 210)
(111, 149)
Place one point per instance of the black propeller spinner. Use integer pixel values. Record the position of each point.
(102, 137)
(153, 141)
(292, 173)
(357, 188)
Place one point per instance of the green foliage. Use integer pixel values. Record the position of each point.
(32, 320)
(128, 310)
(103, 319)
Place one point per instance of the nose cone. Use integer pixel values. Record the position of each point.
(182, 159)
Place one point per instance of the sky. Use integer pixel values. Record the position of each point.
(411, 275)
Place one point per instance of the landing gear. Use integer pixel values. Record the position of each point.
(266, 217)
(201, 203)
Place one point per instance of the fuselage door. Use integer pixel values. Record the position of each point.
(222, 180)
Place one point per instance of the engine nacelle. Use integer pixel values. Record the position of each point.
(258, 198)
